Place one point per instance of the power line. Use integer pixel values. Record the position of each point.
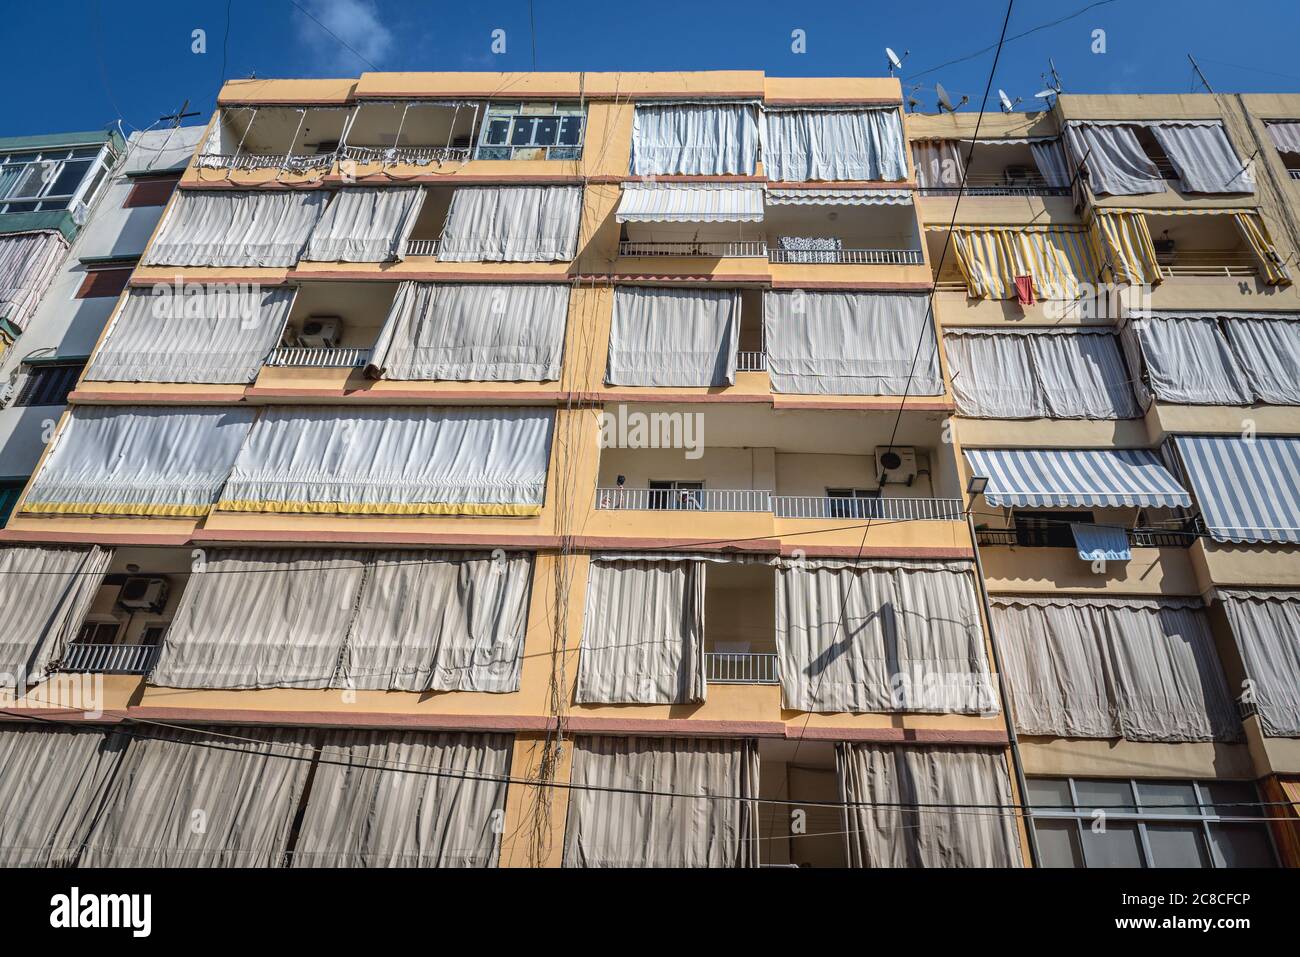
(307, 13)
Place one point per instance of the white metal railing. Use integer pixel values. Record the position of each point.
(748, 249)
(997, 184)
(684, 500)
(1295, 173)
(751, 362)
(1207, 263)
(422, 247)
(341, 358)
(899, 509)
(851, 257)
(294, 162)
(109, 659)
(411, 155)
(726, 668)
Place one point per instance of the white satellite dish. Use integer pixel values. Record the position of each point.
(894, 62)
(1007, 105)
(944, 102)
(1045, 94)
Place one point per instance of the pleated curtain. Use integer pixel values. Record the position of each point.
(1285, 135)
(883, 636)
(266, 228)
(926, 806)
(405, 799)
(703, 813)
(643, 632)
(45, 597)
(1269, 353)
(992, 375)
(201, 798)
(28, 264)
(850, 343)
(1189, 360)
(1049, 157)
(1203, 158)
(473, 332)
(1140, 669)
(1266, 628)
(1061, 262)
(695, 139)
(366, 225)
(512, 224)
(661, 336)
(939, 164)
(834, 144)
(1116, 163)
(217, 334)
(1273, 269)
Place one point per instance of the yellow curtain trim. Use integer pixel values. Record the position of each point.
(380, 508)
(108, 508)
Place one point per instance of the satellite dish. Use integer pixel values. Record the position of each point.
(894, 62)
(944, 102)
(1045, 94)
(1007, 105)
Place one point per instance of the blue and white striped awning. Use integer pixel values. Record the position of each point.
(1050, 478)
(1248, 489)
(691, 203)
(1101, 542)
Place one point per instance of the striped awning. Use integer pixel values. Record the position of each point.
(691, 203)
(1248, 489)
(780, 196)
(1049, 478)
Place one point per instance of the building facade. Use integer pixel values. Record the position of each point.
(692, 469)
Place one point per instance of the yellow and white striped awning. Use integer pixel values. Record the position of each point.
(691, 203)
(991, 257)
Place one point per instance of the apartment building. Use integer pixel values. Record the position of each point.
(608, 469)
(92, 202)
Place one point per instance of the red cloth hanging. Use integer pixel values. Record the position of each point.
(1025, 290)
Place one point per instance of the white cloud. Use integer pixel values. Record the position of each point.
(356, 22)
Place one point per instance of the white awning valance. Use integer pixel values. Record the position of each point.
(693, 203)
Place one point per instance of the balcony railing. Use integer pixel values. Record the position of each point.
(109, 659)
(996, 184)
(726, 668)
(1137, 538)
(410, 155)
(751, 362)
(684, 500)
(748, 249)
(1295, 173)
(850, 257)
(342, 358)
(893, 509)
(422, 247)
(293, 162)
(1207, 263)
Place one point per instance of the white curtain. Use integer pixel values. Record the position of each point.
(850, 343)
(399, 460)
(215, 333)
(1082, 375)
(1285, 135)
(808, 144)
(703, 816)
(1266, 628)
(45, 596)
(53, 782)
(133, 460)
(927, 807)
(405, 799)
(28, 264)
(1204, 159)
(1188, 360)
(512, 224)
(1269, 353)
(643, 632)
(1141, 669)
(939, 163)
(881, 636)
(244, 787)
(366, 225)
(267, 228)
(694, 139)
(467, 332)
(1116, 163)
(1049, 157)
(663, 336)
(992, 375)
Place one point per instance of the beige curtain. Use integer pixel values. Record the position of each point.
(1125, 241)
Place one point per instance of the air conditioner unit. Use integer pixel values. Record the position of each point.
(896, 465)
(320, 332)
(140, 593)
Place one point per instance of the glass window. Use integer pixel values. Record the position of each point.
(1058, 843)
(48, 384)
(1230, 798)
(570, 130)
(498, 130)
(1114, 797)
(1168, 797)
(69, 178)
(1177, 845)
(531, 131)
(1240, 845)
(1050, 792)
(1115, 844)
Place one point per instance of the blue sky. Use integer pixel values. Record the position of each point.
(82, 64)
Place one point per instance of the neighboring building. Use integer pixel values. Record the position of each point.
(104, 199)
(589, 438)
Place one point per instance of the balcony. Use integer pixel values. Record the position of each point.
(1007, 183)
(853, 257)
(1137, 538)
(749, 361)
(891, 509)
(422, 247)
(1205, 262)
(706, 249)
(684, 499)
(740, 668)
(331, 326)
(404, 155)
(109, 659)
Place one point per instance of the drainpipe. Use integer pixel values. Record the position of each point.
(1035, 860)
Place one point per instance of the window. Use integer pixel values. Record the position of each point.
(104, 283)
(852, 502)
(153, 191)
(49, 384)
(1134, 823)
(9, 495)
(51, 179)
(674, 495)
(1044, 529)
(153, 635)
(531, 131)
(99, 633)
